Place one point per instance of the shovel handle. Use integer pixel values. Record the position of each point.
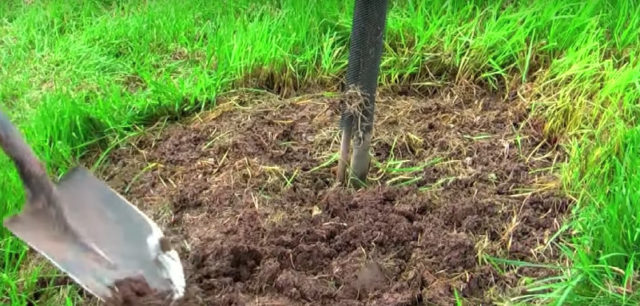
(13, 144)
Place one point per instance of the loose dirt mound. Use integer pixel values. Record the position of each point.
(246, 191)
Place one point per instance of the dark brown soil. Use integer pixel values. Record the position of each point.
(259, 222)
(136, 291)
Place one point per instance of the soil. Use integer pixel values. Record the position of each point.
(136, 291)
(247, 194)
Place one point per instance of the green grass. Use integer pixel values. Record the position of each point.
(80, 76)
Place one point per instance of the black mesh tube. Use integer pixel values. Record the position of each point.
(365, 51)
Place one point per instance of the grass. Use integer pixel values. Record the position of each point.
(81, 76)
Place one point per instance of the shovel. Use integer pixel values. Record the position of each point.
(88, 230)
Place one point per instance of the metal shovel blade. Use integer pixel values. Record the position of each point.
(88, 230)
(126, 236)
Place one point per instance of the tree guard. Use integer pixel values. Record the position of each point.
(356, 122)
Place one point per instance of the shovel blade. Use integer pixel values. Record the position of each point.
(86, 229)
(127, 238)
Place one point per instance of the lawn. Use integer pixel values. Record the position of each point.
(82, 78)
